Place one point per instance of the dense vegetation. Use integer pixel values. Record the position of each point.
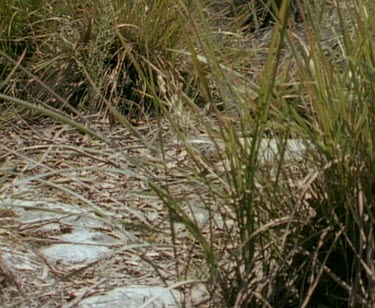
(285, 233)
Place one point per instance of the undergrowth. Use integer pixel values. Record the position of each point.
(283, 230)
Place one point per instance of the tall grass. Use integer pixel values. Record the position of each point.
(340, 269)
(281, 230)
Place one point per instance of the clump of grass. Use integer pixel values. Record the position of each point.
(325, 255)
(254, 15)
(78, 50)
(333, 258)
